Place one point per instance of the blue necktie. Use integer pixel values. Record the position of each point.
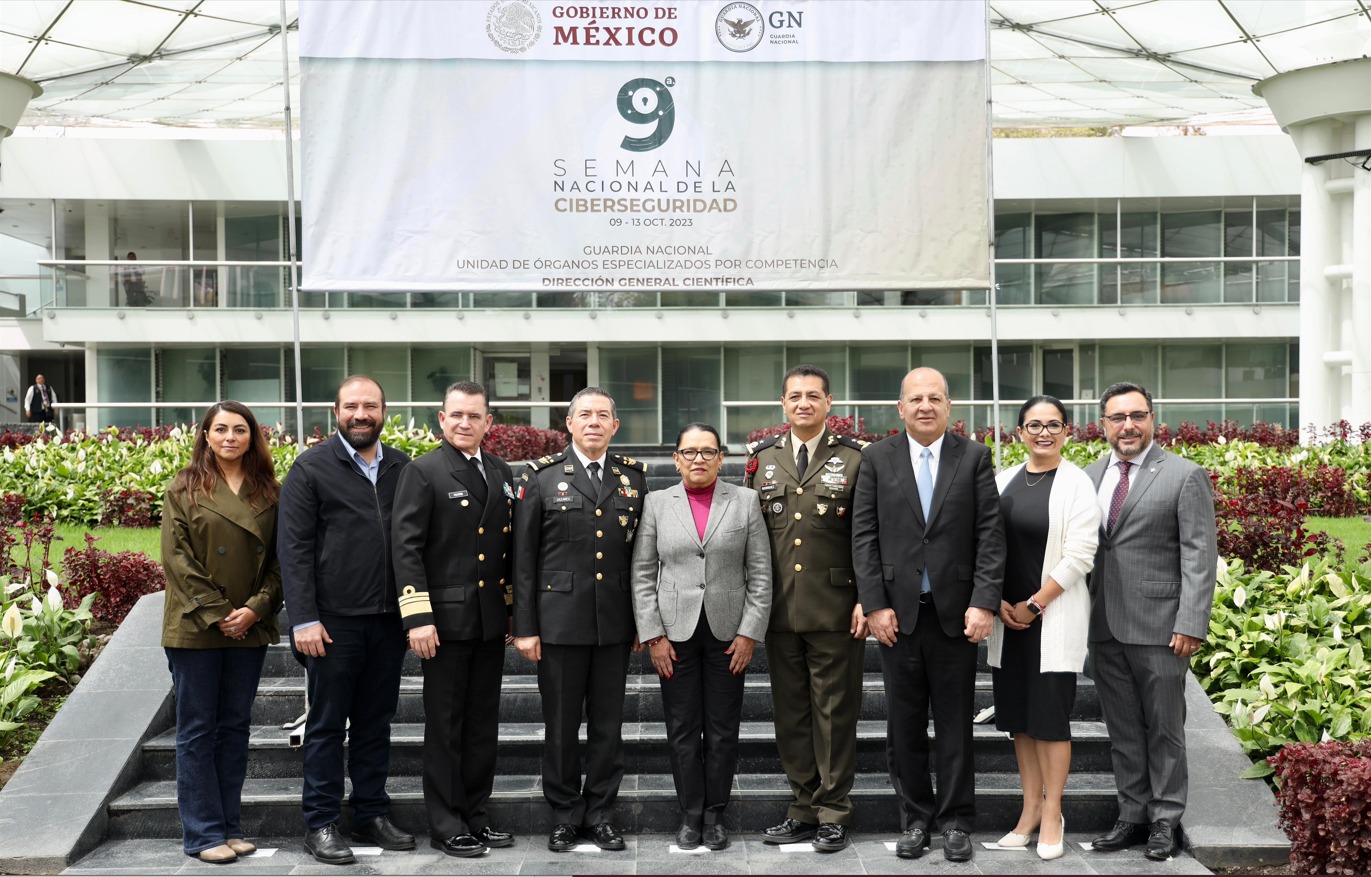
(925, 481)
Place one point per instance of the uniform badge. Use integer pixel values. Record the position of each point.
(842, 510)
(623, 479)
(520, 495)
(562, 485)
(615, 470)
(777, 508)
(623, 520)
(509, 491)
(456, 494)
(834, 464)
(569, 469)
(629, 537)
(822, 507)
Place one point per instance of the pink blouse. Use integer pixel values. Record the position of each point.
(700, 500)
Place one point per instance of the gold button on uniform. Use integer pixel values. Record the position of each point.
(599, 576)
(798, 516)
(481, 583)
(799, 491)
(599, 555)
(799, 568)
(506, 529)
(599, 512)
(599, 534)
(480, 531)
(798, 542)
(480, 557)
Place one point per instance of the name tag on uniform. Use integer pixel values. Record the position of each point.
(457, 494)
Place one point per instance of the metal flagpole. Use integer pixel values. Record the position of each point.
(294, 251)
(990, 248)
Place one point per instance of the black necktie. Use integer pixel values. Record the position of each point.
(479, 487)
(594, 470)
(802, 461)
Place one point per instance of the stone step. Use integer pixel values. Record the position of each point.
(647, 803)
(645, 749)
(280, 661)
(281, 699)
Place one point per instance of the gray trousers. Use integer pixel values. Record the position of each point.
(1142, 695)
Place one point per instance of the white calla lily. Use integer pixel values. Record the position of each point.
(12, 622)
(54, 600)
(51, 576)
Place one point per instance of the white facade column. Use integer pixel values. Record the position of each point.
(92, 386)
(99, 239)
(1327, 110)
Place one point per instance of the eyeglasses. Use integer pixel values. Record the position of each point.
(1135, 416)
(1035, 427)
(706, 454)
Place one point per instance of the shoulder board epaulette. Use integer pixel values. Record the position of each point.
(762, 444)
(539, 463)
(846, 441)
(629, 461)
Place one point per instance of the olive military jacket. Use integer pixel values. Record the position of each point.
(573, 550)
(218, 555)
(809, 521)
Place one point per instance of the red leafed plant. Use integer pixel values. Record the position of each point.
(1265, 532)
(514, 443)
(129, 508)
(1325, 798)
(120, 579)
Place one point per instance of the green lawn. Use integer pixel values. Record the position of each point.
(1354, 532)
(112, 539)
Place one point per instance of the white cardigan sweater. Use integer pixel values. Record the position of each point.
(1073, 531)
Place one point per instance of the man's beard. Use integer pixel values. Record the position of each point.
(362, 437)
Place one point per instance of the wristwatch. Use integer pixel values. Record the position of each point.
(1035, 607)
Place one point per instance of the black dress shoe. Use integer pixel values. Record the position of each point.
(606, 836)
(715, 837)
(687, 836)
(1164, 841)
(956, 845)
(912, 844)
(494, 837)
(790, 831)
(463, 846)
(564, 837)
(1122, 836)
(327, 845)
(381, 832)
(830, 838)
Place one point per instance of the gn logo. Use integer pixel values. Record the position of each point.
(647, 102)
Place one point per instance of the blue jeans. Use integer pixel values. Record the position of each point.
(214, 691)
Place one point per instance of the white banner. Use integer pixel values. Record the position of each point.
(532, 145)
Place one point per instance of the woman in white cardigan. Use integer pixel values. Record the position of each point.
(1038, 643)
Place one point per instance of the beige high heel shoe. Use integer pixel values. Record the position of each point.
(1013, 839)
(1048, 852)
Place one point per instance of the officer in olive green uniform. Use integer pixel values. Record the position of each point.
(817, 636)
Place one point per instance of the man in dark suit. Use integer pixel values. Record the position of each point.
(817, 637)
(452, 537)
(573, 612)
(333, 541)
(929, 553)
(1152, 590)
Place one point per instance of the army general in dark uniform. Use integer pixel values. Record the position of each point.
(817, 636)
(573, 613)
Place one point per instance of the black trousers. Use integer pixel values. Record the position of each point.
(703, 703)
(589, 680)
(923, 669)
(358, 678)
(461, 728)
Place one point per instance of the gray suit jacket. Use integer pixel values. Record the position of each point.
(728, 573)
(1155, 575)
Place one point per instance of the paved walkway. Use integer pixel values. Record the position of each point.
(646, 854)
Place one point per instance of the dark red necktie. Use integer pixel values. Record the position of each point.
(1120, 494)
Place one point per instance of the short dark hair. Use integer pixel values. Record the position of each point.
(702, 427)
(467, 388)
(1123, 387)
(593, 391)
(805, 370)
(1039, 400)
(357, 379)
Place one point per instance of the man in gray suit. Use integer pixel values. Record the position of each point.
(1153, 589)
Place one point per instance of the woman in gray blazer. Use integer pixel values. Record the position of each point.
(702, 598)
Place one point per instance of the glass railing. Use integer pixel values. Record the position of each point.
(1032, 282)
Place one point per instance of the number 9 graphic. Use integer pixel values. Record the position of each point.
(645, 102)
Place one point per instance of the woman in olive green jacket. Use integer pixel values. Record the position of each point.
(223, 594)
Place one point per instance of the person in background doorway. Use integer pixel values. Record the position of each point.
(40, 401)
